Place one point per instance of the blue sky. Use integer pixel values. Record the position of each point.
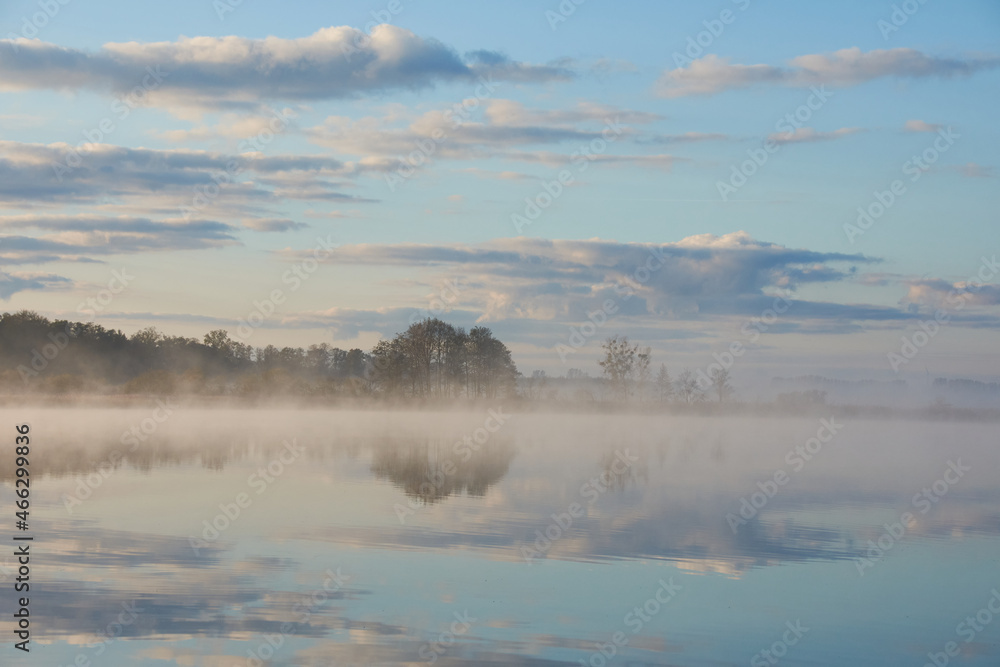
(334, 171)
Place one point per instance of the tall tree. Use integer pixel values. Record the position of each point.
(720, 383)
(664, 386)
(643, 359)
(687, 388)
(619, 363)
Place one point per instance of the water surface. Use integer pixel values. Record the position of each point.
(224, 537)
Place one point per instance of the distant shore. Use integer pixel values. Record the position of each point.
(511, 404)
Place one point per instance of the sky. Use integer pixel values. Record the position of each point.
(783, 188)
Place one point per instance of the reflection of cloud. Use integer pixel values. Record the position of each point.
(208, 595)
(672, 510)
(407, 652)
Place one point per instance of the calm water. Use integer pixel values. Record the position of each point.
(370, 538)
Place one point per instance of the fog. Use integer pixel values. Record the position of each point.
(480, 502)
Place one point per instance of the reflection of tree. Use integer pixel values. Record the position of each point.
(422, 469)
(617, 476)
(156, 452)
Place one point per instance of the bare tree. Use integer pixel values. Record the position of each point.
(642, 371)
(664, 386)
(534, 386)
(720, 383)
(687, 388)
(619, 363)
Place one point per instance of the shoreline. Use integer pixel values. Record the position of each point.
(513, 405)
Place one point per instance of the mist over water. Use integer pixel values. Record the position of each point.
(482, 536)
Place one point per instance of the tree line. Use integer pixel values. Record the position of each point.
(431, 359)
(627, 369)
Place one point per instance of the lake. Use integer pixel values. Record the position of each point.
(222, 537)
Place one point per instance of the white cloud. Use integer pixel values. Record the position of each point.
(272, 224)
(547, 279)
(161, 181)
(84, 236)
(808, 134)
(847, 67)
(239, 72)
(974, 170)
(921, 126)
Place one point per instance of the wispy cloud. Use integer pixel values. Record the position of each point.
(684, 138)
(808, 134)
(921, 126)
(161, 181)
(974, 170)
(505, 126)
(273, 224)
(73, 237)
(12, 283)
(712, 74)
